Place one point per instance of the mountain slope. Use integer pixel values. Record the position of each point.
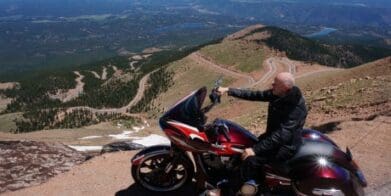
(352, 106)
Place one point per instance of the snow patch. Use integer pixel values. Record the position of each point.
(152, 140)
(86, 148)
(137, 129)
(90, 137)
(126, 134)
(121, 136)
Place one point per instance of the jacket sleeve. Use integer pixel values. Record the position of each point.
(252, 95)
(281, 136)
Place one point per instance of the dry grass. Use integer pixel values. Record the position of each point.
(380, 67)
(8, 85)
(352, 87)
(4, 101)
(238, 54)
(240, 34)
(7, 121)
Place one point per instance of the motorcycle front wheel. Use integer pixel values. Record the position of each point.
(151, 173)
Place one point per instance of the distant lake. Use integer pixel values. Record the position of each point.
(183, 26)
(323, 32)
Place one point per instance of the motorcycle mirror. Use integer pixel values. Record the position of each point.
(218, 82)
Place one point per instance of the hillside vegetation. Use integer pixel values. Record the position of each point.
(239, 55)
(41, 110)
(300, 48)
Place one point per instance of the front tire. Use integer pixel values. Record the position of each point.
(150, 172)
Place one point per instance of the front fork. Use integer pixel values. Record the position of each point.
(174, 159)
(175, 154)
(201, 176)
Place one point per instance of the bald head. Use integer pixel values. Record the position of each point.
(283, 83)
(287, 78)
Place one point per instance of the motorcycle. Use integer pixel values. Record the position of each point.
(208, 152)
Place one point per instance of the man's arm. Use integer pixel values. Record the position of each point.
(252, 95)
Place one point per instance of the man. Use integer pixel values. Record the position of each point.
(286, 116)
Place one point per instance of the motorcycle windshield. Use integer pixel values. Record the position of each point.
(188, 109)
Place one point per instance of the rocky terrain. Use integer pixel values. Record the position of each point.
(29, 163)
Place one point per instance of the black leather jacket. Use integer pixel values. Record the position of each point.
(285, 121)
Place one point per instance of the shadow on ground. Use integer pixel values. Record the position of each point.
(188, 190)
(135, 190)
(328, 127)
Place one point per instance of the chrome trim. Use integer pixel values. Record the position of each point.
(284, 183)
(270, 175)
(318, 191)
(239, 150)
(332, 191)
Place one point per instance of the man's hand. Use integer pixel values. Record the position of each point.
(222, 90)
(247, 152)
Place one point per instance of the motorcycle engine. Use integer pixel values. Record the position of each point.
(219, 165)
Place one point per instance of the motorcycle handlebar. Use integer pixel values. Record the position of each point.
(214, 96)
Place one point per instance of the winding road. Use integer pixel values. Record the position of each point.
(71, 93)
(272, 70)
(123, 110)
(198, 57)
(201, 59)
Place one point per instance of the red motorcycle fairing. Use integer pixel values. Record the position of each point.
(187, 137)
(191, 139)
(237, 135)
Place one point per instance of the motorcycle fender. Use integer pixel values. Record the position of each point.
(137, 159)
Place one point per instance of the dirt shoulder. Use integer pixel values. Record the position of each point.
(102, 175)
(108, 174)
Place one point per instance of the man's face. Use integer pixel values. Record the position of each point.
(278, 87)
